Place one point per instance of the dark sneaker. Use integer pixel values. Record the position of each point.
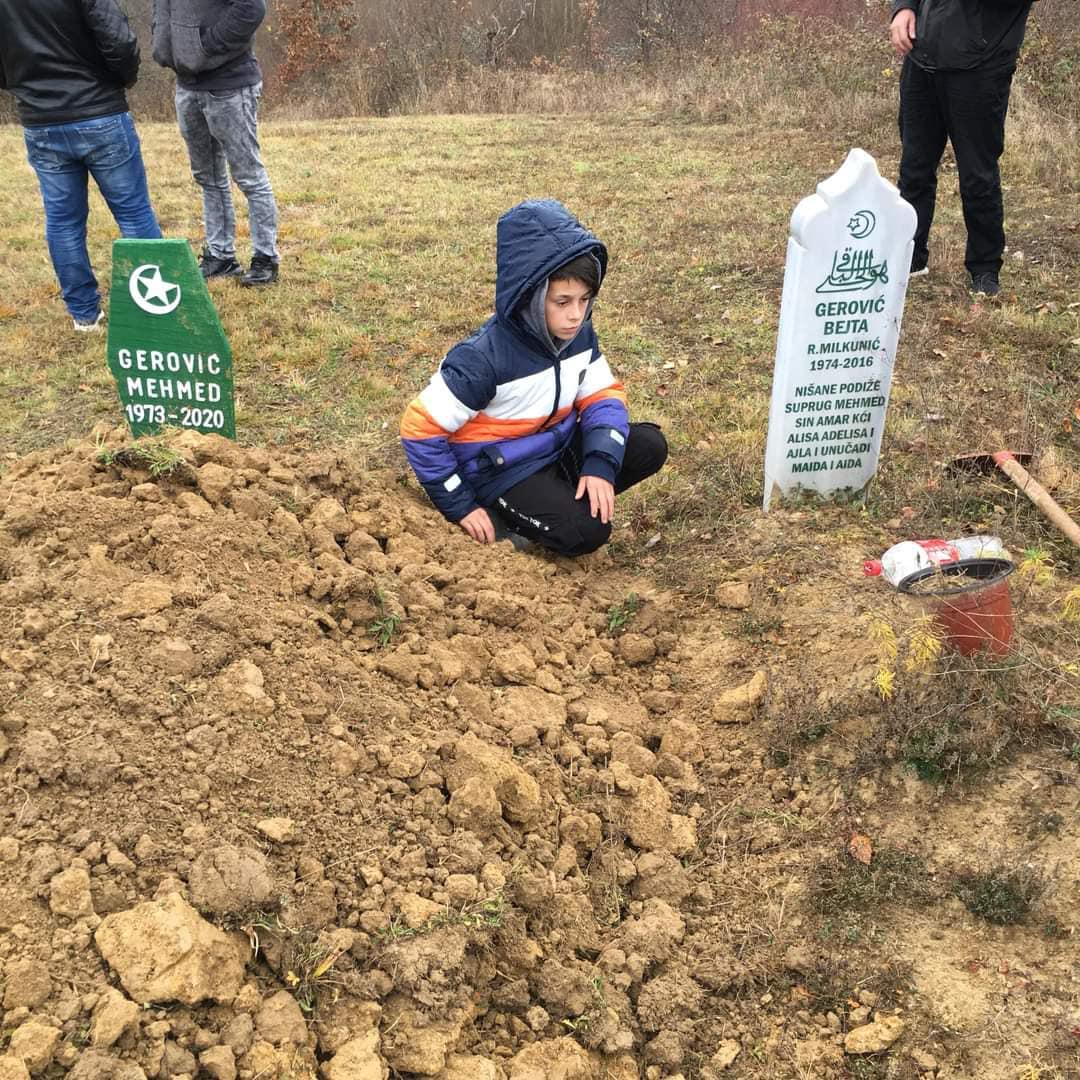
(987, 284)
(504, 532)
(90, 327)
(213, 266)
(263, 271)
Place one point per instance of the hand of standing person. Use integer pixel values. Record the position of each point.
(601, 496)
(902, 31)
(478, 525)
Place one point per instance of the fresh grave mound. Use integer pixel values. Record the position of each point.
(307, 783)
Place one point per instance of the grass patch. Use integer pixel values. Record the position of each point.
(620, 615)
(759, 629)
(159, 460)
(951, 718)
(305, 961)
(842, 884)
(1003, 895)
(835, 982)
(486, 914)
(1055, 931)
(385, 628)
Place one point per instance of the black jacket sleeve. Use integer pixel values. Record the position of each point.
(114, 39)
(235, 28)
(902, 5)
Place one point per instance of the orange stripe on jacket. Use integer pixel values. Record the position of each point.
(484, 428)
(417, 423)
(616, 391)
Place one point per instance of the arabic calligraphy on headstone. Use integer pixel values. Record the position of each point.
(853, 271)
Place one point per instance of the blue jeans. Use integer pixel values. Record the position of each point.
(221, 129)
(63, 156)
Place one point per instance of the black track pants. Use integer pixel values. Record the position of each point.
(542, 507)
(967, 108)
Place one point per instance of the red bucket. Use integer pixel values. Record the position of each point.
(973, 617)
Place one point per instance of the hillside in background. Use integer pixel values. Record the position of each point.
(345, 58)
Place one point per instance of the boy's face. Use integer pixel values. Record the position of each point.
(565, 307)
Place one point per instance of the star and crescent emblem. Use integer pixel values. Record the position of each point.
(862, 224)
(151, 292)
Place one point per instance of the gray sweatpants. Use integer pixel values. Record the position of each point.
(220, 128)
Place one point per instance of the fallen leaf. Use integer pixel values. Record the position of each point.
(860, 849)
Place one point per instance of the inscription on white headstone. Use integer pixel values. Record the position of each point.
(848, 260)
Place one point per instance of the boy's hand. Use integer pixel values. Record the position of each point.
(902, 31)
(478, 525)
(601, 496)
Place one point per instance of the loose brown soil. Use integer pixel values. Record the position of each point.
(470, 813)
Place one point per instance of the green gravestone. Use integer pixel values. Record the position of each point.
(167, 349)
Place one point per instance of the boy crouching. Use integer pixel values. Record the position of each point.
(524, 429)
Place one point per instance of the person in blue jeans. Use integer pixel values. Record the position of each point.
(208, 43)
(68, 63)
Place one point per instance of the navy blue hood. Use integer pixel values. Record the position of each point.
(534, 239)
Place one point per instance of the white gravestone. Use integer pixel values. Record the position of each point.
(848, 261)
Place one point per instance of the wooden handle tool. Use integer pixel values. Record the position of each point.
(1042, 498)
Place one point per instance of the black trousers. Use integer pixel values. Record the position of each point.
(542, 507)
(968, 108)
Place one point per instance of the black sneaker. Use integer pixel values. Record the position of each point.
(987, 284)
(504, 532)
(218, 265)
(263, 271)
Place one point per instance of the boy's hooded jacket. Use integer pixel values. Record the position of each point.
(955, 35)
(505, 402)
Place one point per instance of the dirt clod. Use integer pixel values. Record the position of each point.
(164, 951)
(874, 1037)
(228, 880)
